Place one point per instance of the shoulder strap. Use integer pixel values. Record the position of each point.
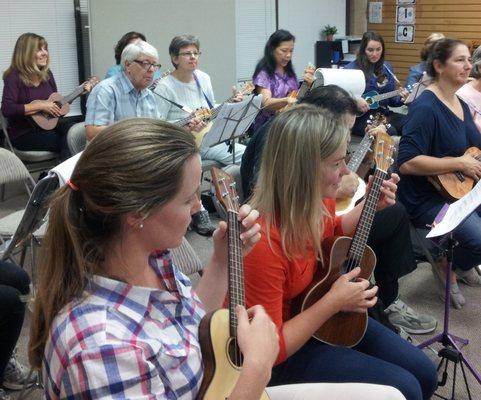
(209, 103)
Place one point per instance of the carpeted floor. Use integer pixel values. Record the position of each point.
(416, 289)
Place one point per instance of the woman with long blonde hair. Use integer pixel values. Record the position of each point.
(302, 164)
(28, 83)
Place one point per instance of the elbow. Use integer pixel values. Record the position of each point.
(405, 168)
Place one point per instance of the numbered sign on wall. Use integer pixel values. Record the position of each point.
(405, 15)
(405, 33)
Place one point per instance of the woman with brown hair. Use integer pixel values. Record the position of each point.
(438, 132)
(28, 82)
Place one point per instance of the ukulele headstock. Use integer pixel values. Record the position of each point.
(92, 81)
(246, 88)
(202, 113)
(225, 189)
(383, 149)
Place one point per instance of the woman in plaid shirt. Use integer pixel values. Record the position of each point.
(114, 318)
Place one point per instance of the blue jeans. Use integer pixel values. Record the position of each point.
(467, 254)
(382, 357)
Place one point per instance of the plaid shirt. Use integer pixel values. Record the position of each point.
(123, 341)
(115, 99)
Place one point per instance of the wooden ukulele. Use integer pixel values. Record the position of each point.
(298, 94)
(209, 115)
(454, 185)
(377, 123)
(345, 254)
(48, 122)
(218, 330)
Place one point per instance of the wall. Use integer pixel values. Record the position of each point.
(458, 19)
(212, 21)
(305, 19)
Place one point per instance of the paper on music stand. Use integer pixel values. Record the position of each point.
(232, 120)
(351, 80)
(457, 212)
(419, 87)
(64, 170)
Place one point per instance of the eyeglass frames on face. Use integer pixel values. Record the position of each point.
(145, 65)
(190, 54)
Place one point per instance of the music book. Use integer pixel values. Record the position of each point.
(233, 120)
(452, 215)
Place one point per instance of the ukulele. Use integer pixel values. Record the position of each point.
(373, 98)
(218, 330)
(48, 122)
(297, 94)
(345, 254)
(378, 122)
(209, 115)
(454, 185)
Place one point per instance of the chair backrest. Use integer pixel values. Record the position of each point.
(76, 138)
(186, 259)
(34, 160)
(13, 170)
(34, 215)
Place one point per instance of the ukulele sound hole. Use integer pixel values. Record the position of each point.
(235, 355)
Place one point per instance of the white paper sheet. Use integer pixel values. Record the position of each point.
(351, 80)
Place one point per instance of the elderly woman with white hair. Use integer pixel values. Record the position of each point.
(125, 95)
(471, 91)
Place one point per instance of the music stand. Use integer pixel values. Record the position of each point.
(232, 121)
(445, 222)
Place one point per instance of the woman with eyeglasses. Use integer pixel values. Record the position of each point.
(28, 83)
(274, 76)
(188, 88)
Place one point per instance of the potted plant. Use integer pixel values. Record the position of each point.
(329, 31)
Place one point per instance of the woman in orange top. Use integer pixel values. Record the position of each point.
(301, 169)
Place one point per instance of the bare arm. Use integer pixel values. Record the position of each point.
(344, 295)
(42, 105)
(93, 130)
(271, 103)
(212, 287)
(427, 165)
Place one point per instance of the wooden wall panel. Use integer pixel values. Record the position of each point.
(459, 19)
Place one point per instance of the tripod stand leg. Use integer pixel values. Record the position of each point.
(465, 378)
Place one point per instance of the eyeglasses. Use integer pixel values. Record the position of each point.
(145, 65)
(190, 54)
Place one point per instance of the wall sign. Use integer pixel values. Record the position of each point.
(406, 2)
(375, 12)
(404, 33)
(405, 15)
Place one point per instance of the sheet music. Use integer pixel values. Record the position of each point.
(64, 170)
(457, 212)
(233, 120)
(418, 88)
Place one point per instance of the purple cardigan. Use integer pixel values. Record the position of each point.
(16, 94)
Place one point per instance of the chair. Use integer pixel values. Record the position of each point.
(185, 258)
(76, 138)
(13, 170)
(34, 160)
(25, 228)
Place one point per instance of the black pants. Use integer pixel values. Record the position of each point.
(390, 238)
(54, 140)
(14, 282)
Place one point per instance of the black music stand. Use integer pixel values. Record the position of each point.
(451, 216)
(232, 122)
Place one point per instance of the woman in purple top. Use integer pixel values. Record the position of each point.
(274, 75)
(27, 79)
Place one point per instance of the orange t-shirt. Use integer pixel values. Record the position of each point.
(273, 281)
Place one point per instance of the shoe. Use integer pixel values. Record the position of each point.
(470, 277)
(457, 298)
(16, 376)
(403, 316)
(4, 395)
(201, 223)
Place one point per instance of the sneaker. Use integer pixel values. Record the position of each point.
(16, 376)
(4, 395)
(202, 224)
(403, 316)
(457, 298)
(470, 277)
